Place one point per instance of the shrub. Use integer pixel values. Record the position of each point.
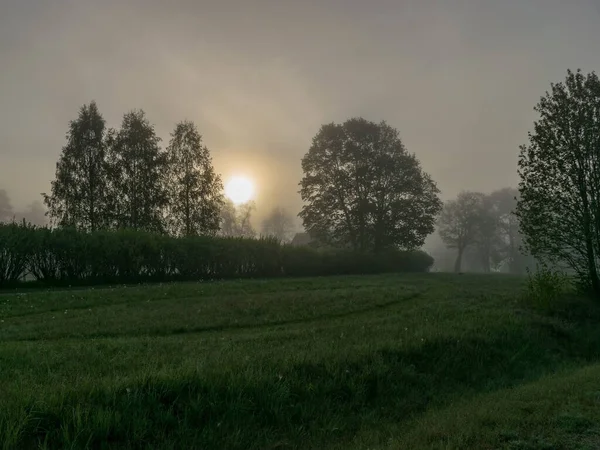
(15, 251)
(70, 257)
(306, 261)
(546, 286)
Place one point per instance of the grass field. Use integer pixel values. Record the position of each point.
(374, 362)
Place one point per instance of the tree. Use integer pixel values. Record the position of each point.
(278, 224)
(559, 205)
(510, 238)
(137, 173)
(363, 190)
(487, 236)
(6, 210)
(459, 223)
(194, 188)
(236, 221)
(78, 193)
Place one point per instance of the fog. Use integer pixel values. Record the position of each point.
(458, 78)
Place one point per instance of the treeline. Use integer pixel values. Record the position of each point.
(65, 256)
(122, 179)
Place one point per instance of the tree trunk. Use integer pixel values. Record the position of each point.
(458, 263)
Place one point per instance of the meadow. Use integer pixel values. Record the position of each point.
(351, 362)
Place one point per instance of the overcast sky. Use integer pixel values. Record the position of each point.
(458, 78)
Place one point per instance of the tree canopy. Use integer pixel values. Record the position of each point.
(137, 175)
(193, 186)
(78, 195)
(459, 223)
(559, 205)
(363, 190)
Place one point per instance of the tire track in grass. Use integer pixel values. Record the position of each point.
(236, 327)
(211, 295)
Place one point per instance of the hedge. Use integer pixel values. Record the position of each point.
(70, 257)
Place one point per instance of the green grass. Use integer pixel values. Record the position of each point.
(374, 362)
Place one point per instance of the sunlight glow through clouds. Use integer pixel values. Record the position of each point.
(239, 189)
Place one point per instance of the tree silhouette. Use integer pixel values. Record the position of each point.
(459, 223)
(236, 220)
(559, 204)
(363, 190)
(137, 175)
(78, 193)
(194, 189)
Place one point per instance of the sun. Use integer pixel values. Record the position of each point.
(239, 189)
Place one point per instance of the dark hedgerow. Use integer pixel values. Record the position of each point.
(69, 257)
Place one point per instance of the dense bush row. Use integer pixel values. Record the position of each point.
(65, 256)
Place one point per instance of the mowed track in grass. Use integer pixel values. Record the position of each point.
(390, 361)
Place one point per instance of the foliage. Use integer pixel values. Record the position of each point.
(509, 238)
(307, 261)
(415, 361)
(485, 231)
(279, 224)
(459, 222)
(363, 190)
(15, 251)
(66, 256)
(546, 286)
(78, 195)
(195, 190)
(559, 205)
(236, 220)
(137, 169)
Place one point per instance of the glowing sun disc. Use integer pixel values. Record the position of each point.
(239, 190)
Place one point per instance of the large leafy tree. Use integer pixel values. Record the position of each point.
(559, 205)
(459, 223)
(78, 195)
(363, 190)
(137, 171)
(278, 224)
(194, 188)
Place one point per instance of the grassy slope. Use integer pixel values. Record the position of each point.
(400, 361)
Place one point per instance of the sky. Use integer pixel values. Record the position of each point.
(458, 79)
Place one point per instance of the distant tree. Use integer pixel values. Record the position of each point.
(559, 204)
(459, 223)
(363, 190)
(279, 224)
(236, 220)
(194, 188)
(510, 238)
(137, 171)
(487, 233)
(6, 210)
(78, 193)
